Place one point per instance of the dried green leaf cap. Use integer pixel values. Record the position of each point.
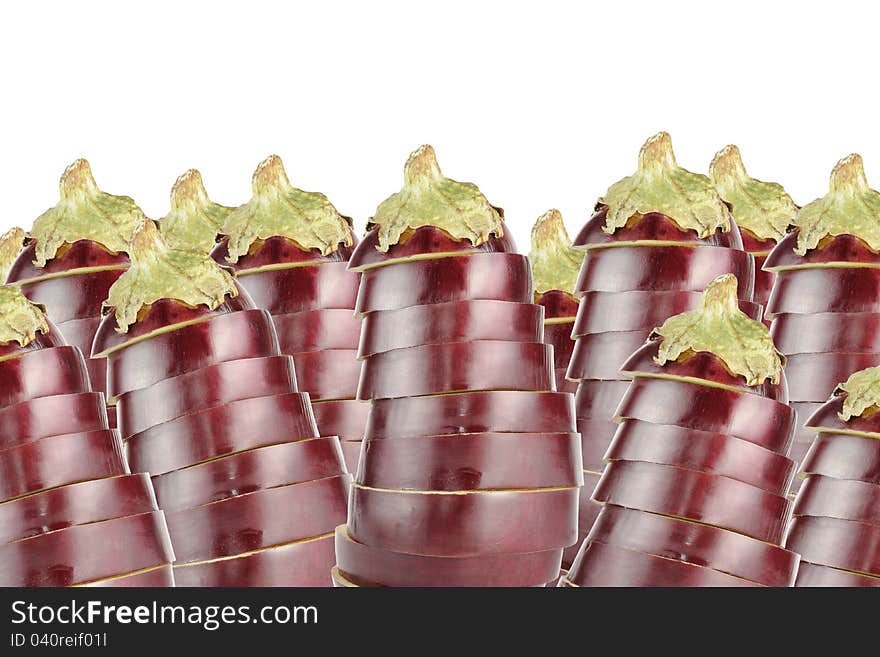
(279, 209)
(428, 198)
(762, 208)
(555, 264)
(862, 390)
(10, 246)
(159, 272)
(194, 220)
(84, 212)
(20, 319)
(849, 208)
(660, 185)
(720, 328)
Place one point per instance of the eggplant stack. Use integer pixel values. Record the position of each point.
(836, 523)
(71, 514)
(74, 253)
(290, 250)
(471, 465)
(655, 241)
(695, 489)
(825, 304)
(210, 407)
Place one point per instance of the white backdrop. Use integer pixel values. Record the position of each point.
(541, 104)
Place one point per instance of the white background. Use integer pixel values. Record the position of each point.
(541, 104)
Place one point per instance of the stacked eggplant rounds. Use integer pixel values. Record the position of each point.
(209, 407)
(825, 304)
(290, 251)
(836, 523)
(694, 492)
(471, 464)
(655, 241)
(555, 266)
(763, 212)
(75, 252)
(71, 514)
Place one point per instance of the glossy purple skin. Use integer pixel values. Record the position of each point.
(839, 498)
(839, 290)
(97, 369)
(596, 436)
(252, 470)
(51, 416)
(689, 268)
(598, 399)
(227, 337)
(557, 304)
(316, 330)
(600, 565)
(279, 251)
(764, 281)
(826, 418)
(602, 312)
(811, 575)
(304, 564)
(759, 420)
(841, 456)
(27, 377)
(588, 511)
(378, 567)
(70, 257)
(826, 332)
(797, 453)
(701, 365)
(233, 427)
(81, 333)
(261, 519)
(351, 453)
(456, 367)
(562, 383)
(559, 336)
(160, 315)
(329, 374)
(651, 226)
(756, 246)
(698, 544)
(479, 461)
(424, 240)
(500, 276)
(710, 499)
(599, 356)
(459, 525)
(839, 249)
(454, 321)
(345, 418)
(712, 453)
(325, 286)
(204, 388)
(87, 552)
(78, 296)
(59, 461)
(76, 504)
(844, 544)
(471, 412)
(815, 376)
